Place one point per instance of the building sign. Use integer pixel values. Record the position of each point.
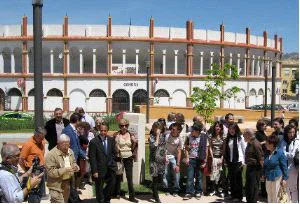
(135, 84)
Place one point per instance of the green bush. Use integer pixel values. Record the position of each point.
(16, 125)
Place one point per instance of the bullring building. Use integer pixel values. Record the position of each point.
(103, 67)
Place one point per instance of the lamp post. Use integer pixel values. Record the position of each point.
(266, 87)
(37, 56)
(148, 92)
(273, 94)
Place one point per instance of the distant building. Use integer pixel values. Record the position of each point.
(288, 73)
(102, 68)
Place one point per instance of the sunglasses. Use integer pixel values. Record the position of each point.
(124, 125)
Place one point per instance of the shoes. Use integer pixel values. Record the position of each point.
(157, 200)
(175, 194)
(118, 197)
(212, 193)
(198, 195)
(236, 200)
(132, 199)
(187, 196)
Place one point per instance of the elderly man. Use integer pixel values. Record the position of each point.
(10, 188)
(85, 117)
(60, 165)
(35, 147)
(54, 127)
(254, 157)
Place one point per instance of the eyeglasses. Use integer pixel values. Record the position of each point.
(124, 126)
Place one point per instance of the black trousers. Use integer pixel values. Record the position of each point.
(128, 165)
(235, 178)
(156, 180)
(103, 195)
(252, 183)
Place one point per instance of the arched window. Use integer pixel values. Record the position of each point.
(139, 97)
(252, 92)
(120, 101)
(161, 93)
(260, 92)
(14, 92)
(97, 93)
(55, 92)
(31, 92)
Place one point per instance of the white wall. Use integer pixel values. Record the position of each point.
(16, 103)
(178, 98)
(96, 104)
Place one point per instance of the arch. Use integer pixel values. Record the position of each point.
(31, 92)
(179, 98)
(14, 99)
(238, 101)
(161, 93)
(97, 93)
(252, 98)
(77, 99)
(18, 59)
(252, 92)
(6, 53)
(260, 92)
(2, 100)
(55, 92)
(120, 101)
(139, 97)
(14, 92)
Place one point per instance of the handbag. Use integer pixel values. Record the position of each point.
(283, 196)
(296, 159)
(120, 167)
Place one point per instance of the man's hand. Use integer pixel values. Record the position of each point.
(95, 175)
(69, 169)
(75, 168)
(203, 165)
(35, 180)
(187, 161)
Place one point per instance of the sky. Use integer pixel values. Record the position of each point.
(279, 17)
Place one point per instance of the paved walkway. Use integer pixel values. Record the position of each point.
(87, 197)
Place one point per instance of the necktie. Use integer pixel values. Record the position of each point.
(104, 145)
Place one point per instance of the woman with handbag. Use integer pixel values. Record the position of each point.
(157, 157)
(290, 146)
(126, 145)
(275, 168)
(216, 150)
(234, 156)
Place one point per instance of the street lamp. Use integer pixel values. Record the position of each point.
(148, 92)
(37, 56)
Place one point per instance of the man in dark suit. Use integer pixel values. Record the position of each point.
(71, 131)
(103, 166)
(54, 127)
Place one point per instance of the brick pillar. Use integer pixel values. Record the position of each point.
(24, 103)
(109, 104)
(280, 56)
(151, 54)
(66, 104)
(189, 37)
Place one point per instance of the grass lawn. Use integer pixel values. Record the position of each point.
(17, 131)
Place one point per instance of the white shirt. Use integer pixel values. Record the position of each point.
(293, 148)
(10, 188)
(241, 148)
(88, 119)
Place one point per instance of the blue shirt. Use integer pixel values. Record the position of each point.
(276, 165)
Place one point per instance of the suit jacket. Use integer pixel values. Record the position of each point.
(51, 135)
(74, 142)
(101, 161)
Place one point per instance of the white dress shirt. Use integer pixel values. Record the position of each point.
(241, 148)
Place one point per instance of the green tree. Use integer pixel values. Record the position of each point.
(295, 82)
(205, 99)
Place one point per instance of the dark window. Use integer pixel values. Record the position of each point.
(97, 93)
(161, 93)
(55, 92)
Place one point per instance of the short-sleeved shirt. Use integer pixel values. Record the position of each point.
(217, 147)
(172, 144)
(193, 144)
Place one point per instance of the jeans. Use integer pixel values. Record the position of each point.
(170, 172)
(194, 171)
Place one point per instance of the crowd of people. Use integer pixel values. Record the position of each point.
(197, 160)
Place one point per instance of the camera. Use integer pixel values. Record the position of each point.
(37, 169)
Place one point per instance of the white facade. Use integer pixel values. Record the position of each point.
(88, 85)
